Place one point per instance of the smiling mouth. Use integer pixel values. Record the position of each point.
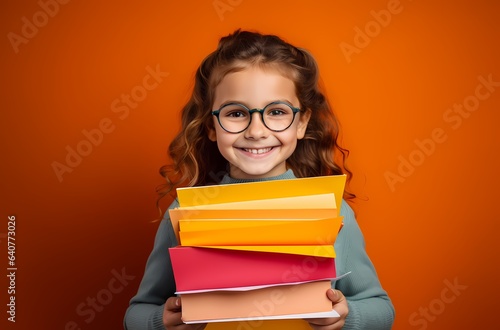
(258, 151)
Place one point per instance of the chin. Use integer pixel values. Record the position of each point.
(252, 173)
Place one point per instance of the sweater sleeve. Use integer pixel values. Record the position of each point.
(369, 305)
(145, 311)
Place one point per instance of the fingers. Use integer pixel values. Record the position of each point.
(326, 324)
(172, 316)
(335, 296)
(319, 322)
(339, 304)
(201, 326)
(173, 304)
(172, 313)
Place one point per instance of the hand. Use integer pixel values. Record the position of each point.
(172, 316)
(339, 304)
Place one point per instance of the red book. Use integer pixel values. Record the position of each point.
(197, 268)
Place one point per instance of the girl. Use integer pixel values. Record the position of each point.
(256, 113)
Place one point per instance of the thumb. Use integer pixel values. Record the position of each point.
(334, 295)
(173, 303)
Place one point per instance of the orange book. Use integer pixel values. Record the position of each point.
(326, 251)
(278, 301)
(176, 215)
(292, 232)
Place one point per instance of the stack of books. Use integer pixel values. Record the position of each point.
(257, 251)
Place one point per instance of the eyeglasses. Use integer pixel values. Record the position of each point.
(235, 117)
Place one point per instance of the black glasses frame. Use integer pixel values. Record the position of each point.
(216, 113)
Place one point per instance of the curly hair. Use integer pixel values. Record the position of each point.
(196, 160)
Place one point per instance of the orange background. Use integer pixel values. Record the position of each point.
(439, 224)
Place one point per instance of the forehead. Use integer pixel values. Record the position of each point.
(256, 86)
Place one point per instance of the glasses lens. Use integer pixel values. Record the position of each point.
(278, 116)
(234, 117)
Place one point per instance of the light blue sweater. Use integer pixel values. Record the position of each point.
(369, 305)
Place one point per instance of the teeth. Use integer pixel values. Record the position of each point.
(258, 151)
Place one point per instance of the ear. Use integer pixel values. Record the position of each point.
(212, 135)
(302, 125)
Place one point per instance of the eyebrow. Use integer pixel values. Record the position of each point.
(245, 104)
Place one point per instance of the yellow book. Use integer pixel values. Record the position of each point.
(239, 192)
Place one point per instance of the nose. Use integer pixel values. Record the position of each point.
(257, 129)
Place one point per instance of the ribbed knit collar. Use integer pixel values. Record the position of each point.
(287, 175)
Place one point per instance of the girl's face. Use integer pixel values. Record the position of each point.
(257, 152)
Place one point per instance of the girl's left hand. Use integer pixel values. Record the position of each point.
(339, 305)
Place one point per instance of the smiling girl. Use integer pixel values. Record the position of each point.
(256, 113)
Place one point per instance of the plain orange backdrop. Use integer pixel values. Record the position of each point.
(436, 224)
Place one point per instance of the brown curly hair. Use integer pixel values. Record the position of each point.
(196, 160)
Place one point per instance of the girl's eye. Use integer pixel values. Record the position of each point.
(235, 113)
(276, 112)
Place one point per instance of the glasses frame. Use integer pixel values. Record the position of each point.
(295, 110)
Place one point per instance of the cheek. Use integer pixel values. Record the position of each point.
(289, 140)
(224, 139)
